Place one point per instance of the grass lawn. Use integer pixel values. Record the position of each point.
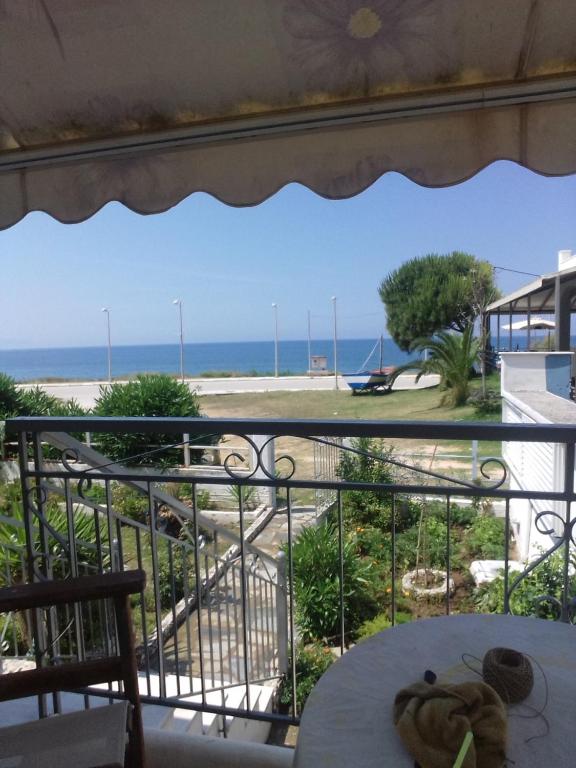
(415, 404)
(411, 405)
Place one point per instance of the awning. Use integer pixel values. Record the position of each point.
(147, 101)
(539, 296)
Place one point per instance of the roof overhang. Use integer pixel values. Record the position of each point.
(537, 297)
(147, 101)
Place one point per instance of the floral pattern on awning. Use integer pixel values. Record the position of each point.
(75, 72)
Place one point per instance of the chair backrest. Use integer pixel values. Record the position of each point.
(69, 677)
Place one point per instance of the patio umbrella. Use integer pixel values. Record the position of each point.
(534, 323)
(148, 101)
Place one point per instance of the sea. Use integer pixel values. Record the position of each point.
(242, 358)
(228, 358)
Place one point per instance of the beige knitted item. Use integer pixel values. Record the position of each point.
(432, 721)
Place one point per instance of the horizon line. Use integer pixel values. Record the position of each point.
(329, 340)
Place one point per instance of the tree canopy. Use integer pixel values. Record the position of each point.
(435, 292)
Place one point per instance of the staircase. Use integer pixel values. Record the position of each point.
(180, 720)
(170, 718)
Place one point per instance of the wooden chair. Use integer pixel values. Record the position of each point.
(78, 675)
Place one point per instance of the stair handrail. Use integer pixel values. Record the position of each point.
(88, 455)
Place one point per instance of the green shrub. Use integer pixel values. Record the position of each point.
(370, 466)
(316, 562)
(372, 507)
(37, 402)
(96, 492)
(148, 395)
(70, 408)
(180, 491)
(10, 404)
(381, 622)
(13, 537)
(32, 402)
(129, 502)
(373, 626)
(459, 515)
(311, 663)
(486, 538)
(203, 500)
(434, 532)
(10, 498)
(13, 635)
(178, 524)
(486, 405)
(463, 516)
(374, 543)
(546, 579)
(135, 505)
(10, 397)
(173, 575)
(183, 493)
(247, 493)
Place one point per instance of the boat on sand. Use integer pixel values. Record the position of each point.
(371, 380)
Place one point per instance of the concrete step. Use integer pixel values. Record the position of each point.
(184, 721)
(238, 726)
(243, 729)
(155, 716)
(235, 698)
(211, 723)
(176, 719)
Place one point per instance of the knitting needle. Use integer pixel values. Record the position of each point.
(463, 750)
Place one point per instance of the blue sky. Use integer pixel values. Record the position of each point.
(228, 265)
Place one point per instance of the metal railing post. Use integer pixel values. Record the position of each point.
(262, 460)
(186, 449)
(569, 455)
(282, 614)
(474, 460)
(38, 635)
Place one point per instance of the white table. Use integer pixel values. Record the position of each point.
(347, 721)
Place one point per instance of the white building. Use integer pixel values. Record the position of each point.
(536, 389)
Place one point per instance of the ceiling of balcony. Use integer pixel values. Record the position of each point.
(147, 101)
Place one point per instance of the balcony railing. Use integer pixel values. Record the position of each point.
(221, 610)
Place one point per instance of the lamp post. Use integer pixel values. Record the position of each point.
(334, 299)
(309, 346)
(107, 311)
(178, 303)
(275, 308)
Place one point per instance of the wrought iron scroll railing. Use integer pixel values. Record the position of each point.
(221, 608)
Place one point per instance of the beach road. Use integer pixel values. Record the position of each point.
(86, 392)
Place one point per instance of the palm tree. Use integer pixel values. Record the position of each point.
(13, 537)
(450, 355)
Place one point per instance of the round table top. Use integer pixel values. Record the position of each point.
(347, 720)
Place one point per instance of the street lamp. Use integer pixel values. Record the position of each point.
(275, 308)
(335, 344)
(107, 311)
(309, 346)
(178, 303)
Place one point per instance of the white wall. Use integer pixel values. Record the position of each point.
(534, 467)
(566, 260)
